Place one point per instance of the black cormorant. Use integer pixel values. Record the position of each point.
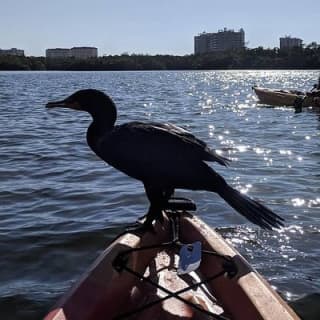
(163, 156)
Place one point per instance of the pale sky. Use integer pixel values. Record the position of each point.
(148, 26)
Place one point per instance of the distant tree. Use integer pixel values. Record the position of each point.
(313, 46)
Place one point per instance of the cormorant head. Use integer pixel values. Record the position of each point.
(93, 101)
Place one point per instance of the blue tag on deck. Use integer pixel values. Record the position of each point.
(189, 257)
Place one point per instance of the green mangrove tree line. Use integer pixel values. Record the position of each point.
(258, 58)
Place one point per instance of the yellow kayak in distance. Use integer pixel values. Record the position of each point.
(280, 98)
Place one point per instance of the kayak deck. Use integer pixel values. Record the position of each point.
(113, 290)
(154, 300)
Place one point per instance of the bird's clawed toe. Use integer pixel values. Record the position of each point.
(141, 219)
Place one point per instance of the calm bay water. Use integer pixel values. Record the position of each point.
(60, 204)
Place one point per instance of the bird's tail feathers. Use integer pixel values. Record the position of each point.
(251, 209)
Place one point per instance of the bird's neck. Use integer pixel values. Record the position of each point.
(103, 122)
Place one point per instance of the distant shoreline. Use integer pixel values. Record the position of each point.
(249, 59)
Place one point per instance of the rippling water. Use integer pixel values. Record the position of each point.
(60, 204)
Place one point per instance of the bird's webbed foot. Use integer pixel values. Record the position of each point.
(148, 218)
(158, 198)
(145, 223)
(141, 228)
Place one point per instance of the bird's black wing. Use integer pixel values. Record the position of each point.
(182, 138)
(139, 149)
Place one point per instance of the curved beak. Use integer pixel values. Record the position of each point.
(63, 104)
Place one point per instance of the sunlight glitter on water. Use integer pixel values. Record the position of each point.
(298, 202)
(245, 189)
(285, 152)
(59, 200)
(314, 203)
(242, 148)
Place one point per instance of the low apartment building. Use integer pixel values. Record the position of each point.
(12, 52)
(75, 52)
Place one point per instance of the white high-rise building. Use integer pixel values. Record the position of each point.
(287, 42)
(219, 41)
